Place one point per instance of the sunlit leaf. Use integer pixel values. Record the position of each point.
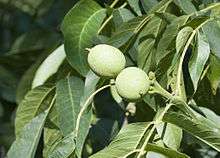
(79, 26)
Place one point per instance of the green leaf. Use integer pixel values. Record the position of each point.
(49, 66)
(63, 148)
(51, 136)
(201, 128)
(135, 6)
(69, 92)
(147, 48)
(169, 153)
(85, 119)
(212, 31)
(34, 102)
(121, 15)
(125, 142)
(182, 38)
(26, 143)
(170, 134)
(129, 30)
(198, 59)
(186, 5)
(214, 73)
(148, 4)
(211, 115)
(79, 26)
(166, 42)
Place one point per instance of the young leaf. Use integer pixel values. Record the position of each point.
(26, 143)
(69, 92)
(201, 128)
(49, 66)
(199, 59)
(79, 26)
(125, 142)
(34, 103)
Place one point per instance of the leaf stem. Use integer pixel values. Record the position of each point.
(179, 71)
(114, 3)
(109, 19)
(86, 104)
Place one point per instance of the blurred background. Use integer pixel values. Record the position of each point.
(29, 30)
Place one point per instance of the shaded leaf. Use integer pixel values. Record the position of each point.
(148, 4)
(186, 5)
(214, 73)
(135, 6)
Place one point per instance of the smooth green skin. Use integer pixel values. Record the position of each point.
(106, 61)
(132, 83)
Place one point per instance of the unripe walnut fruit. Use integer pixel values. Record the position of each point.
(106, 61)
(132, 83)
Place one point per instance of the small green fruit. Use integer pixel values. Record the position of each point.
(132, 83)
(106, 61)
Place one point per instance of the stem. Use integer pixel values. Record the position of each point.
(114, 3)
(206, 9)
(86, 104)
(179, 71)
(158, 120)
(109, 19)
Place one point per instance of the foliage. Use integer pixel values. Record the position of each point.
(52, 105)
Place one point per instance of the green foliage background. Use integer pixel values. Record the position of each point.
(45, 79)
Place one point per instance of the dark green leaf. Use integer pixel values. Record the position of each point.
(79, 26)
(148, 4)
(186, 5)
(214, 72)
